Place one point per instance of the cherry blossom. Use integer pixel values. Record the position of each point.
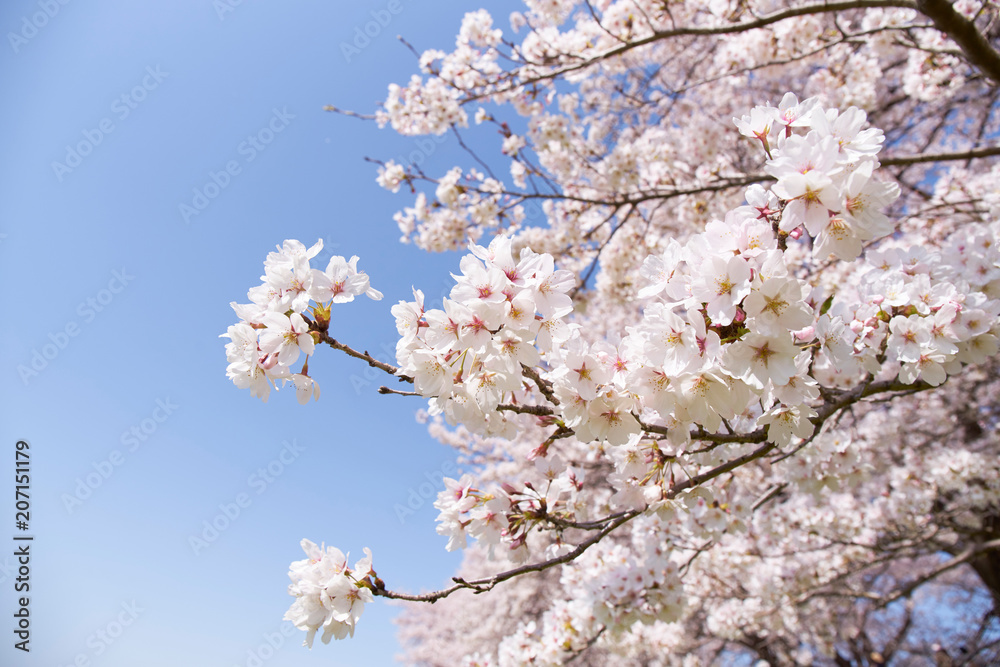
(722, 391)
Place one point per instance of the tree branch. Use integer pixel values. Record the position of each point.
(963, 31)
(487, 583)
(364, 356)
(940, 157)
(805, 10)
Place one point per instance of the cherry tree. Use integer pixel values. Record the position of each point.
(721, 356)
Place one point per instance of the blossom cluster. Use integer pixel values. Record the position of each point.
(611, 586)
(500, 316)
(466, 510)
(719, 335)
(506, 515)
(328, 594)
(619, 141)
(932, 312)
(422, 108)
(432, 106)
(749, 331)
(825, 175)
(443, 224)
(273, 330)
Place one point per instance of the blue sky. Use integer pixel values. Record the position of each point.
(112, 367)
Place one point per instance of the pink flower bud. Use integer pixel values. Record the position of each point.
(542, 450)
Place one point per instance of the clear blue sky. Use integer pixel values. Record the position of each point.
(126, 299)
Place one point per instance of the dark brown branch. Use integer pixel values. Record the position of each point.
(776, 17)
(963, 31)
(544, 385)
(364, 356)
(840, 400)
(905, 591)
(538, 410)
(487, 583)
(940, 157)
